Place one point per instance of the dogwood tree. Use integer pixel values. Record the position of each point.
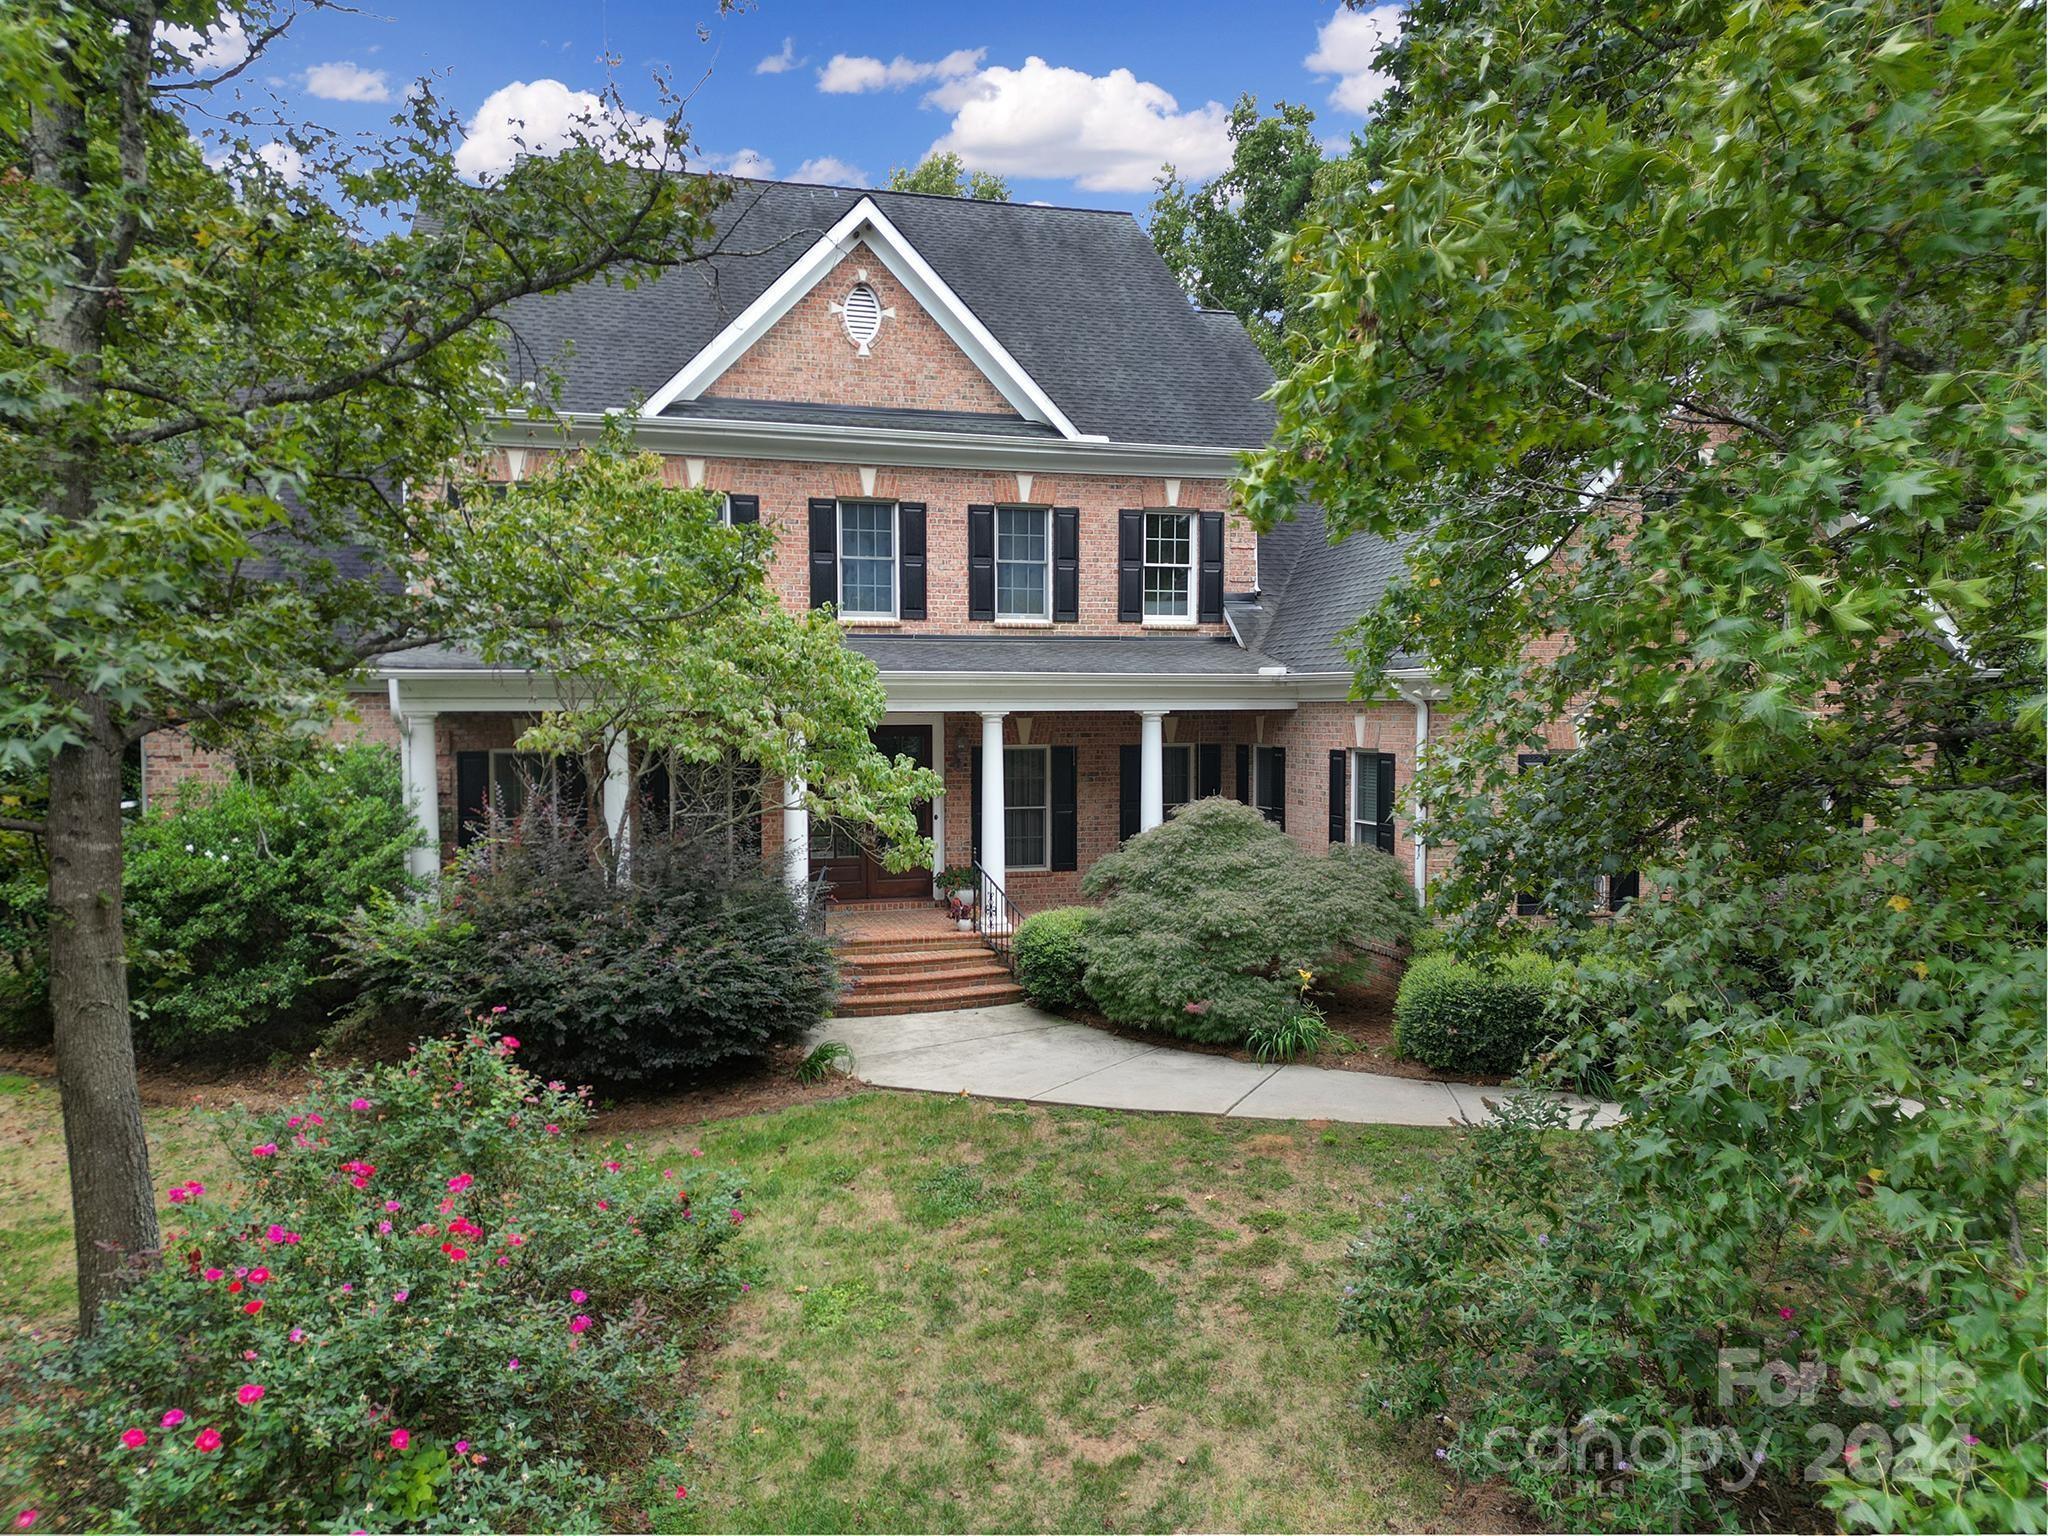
(228, 390)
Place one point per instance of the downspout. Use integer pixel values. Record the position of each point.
(1420, 703)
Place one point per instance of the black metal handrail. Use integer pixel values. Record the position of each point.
(996, 918)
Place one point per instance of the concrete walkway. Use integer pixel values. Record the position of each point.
(1016, 1051)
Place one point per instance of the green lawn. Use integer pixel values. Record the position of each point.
(971, 1315)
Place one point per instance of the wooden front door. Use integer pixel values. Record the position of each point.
(845, 856)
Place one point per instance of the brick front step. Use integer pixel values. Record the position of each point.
(933, 973)
(864, 1002)
(901, 944)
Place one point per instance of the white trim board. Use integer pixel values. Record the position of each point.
(865, 221)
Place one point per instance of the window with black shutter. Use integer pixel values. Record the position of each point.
(824, 551)
(981, 563)
(1372, 800)
(910, 559)
(1269, 780)
(1065, 809)
(1130, 567)
(1066, 565)
(1129, 768)
(472, 796)
(1211, 576)
(1208, 769)
(742, 510)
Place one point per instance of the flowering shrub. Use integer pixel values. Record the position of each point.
(232, 903)
(429, 1310)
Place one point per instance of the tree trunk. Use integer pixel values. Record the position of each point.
(113, 1207)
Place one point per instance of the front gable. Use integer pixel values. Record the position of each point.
(940, 357)
(821, 351)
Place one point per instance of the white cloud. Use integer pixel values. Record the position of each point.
(538, 118)
(1110, 133)
(850, 74)
(221, 46)
(780, 63)
(1347, 46)
(344, 81)
(283, 159)
(832, 171)
(742, 162)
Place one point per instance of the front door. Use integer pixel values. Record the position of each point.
(845, 856)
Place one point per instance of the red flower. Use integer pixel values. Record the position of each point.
(252, 1307)
(207, 1439)
(400, 1439)
(134, 1439)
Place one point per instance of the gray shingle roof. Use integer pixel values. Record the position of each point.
(1139, 654)
(1314, 590)
(1079, 298)
(807, 413)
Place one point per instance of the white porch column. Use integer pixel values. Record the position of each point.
(796, 837)
(994, 857)
(618, 792)
(1151, 768)
(423, 790)
(1421, 813)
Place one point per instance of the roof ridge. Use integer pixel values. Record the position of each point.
(936, 197)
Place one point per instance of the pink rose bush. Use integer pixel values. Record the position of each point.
(297, 1362)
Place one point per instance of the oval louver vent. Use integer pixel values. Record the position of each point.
(863, 315)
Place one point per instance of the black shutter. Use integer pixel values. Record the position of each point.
(1211, 591)
(472, 794)
(974, 816)
(1065, 821)
(1128, 769)
(824, 551)
(1066, 565)
(1130, 567)
(743, 509)
(910, 560)
(1623, 888)
(1385, 835)
(981, 562)
(1340, 784)
(657, 794)
(1244, 775)
(1208, 770)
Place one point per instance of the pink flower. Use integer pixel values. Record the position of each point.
(296, 1121)
(359, 1105)
(172, 1419)
(552, 1130)
(27, 1518)
(252, 1307)
(512, 1364)
(579, 1297)
(1785, 1313)
(613, 1167)
(400, 1296)
(207, 1439)
(394, 1205)
(604, 1205)
(190, 1190)
(348, 1287)
(248, 1393)
(682, 1492)
(462, 1447)
(258, 1275)
(316, 1119)
(460, 1182)
(400, 1439)
(266, 1149)
(579, 1323)
(297, 1335)
(274, 1233)
(213, 1274)
(383, 1226)
(135, 1439)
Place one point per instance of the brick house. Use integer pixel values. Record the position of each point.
(1000, 442)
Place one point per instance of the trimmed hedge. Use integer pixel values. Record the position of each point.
(1052, 955)
(1455, 1016)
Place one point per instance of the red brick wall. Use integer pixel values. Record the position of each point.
(171, 758)
(912, 364)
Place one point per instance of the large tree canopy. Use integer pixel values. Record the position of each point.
(226, 406)
(1696, 350)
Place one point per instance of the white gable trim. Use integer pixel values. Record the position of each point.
(910, 269)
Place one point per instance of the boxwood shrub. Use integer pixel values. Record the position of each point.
(1458, 1016)
(689, 961)
(1052, 956)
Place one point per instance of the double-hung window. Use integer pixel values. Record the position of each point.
(1023, 562)
(1027, 806)
(1169, 565)
(1372, 818)
(1269, 783)
(1177, 777)
(867, 559)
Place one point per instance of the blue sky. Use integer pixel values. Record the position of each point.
(1075, 103)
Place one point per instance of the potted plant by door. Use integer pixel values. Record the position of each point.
(957, 890)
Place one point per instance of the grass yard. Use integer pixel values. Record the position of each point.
(972, 1315)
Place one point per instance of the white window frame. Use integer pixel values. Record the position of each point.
(1192, 566)
(895, 558)
(725, 509)
(1044, 614)
(1360, 759)
(1043, 807)
(1187, 751)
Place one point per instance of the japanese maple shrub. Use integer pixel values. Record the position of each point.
(426, 1307)
(1209, 920)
